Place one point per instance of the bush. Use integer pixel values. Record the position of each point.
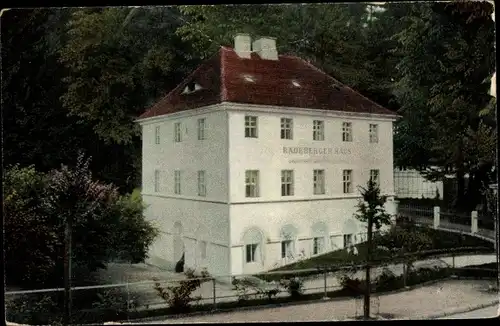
(246, 287)
(35, 309)
(294, 286)
(179, 297)
(105, 225)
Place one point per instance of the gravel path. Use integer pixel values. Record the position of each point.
(416, 304)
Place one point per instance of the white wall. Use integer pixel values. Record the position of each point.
(202, 218)
(189, 155)
(411, 184)
(265, 153)
(200, 221)
(271, 217)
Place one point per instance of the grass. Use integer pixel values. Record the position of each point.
(339, 258)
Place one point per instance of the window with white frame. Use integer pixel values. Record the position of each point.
(177, 182)
(287, 249)
(373, 133)
(347, 240)
(347, 181)
(201, 129)
(251, 126)
(318, 130)
(251, 252)
(287, 183)
(177, 132)
(157, 134)
(286, 128)
(202, 187)
(251, 183)
(319, 182)
(157, 181)
(318, 245)
(346, 131)
(374, 177)
(203, 249)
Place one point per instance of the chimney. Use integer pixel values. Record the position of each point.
(265, 47)
(243, 45)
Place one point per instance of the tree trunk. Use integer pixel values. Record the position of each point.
(366, 305)
(460, 176)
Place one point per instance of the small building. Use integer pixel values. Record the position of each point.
(255, 159)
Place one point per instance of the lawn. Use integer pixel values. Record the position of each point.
(440, 240)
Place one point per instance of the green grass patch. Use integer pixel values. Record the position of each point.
(335, 260)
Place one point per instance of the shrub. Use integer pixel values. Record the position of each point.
(246, 287)
(294, 286)
(178, 297)
(35, 309)
(116, 300)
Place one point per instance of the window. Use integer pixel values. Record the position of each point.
(203, 249)
(287, 249)
(373, 133)
(318, 245)
(157, 134)
(319, 182)
(201, 129)
(318, 130)
(287, 183)
(346, 131)
(202, 187)
(347, 181)
(251, 252)
(177, 132)
(347, 240)
(157, 181)
(286, 128)
(177, 182)
(250, 127)
(251, 183)
(374, 177)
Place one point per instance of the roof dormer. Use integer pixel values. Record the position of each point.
(191, 87)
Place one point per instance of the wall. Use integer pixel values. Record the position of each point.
(189, 155)
(271, 217)
(198, 221)
(201, 218)
(270, 211)
(411, 184)
(265, 153)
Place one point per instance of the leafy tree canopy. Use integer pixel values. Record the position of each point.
(106, 225)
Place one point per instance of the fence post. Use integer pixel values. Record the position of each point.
(215, 298)
(325, 296)
(453, 275)
(473, 224)
(436, 216)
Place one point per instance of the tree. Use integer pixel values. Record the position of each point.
(106, 225)
(371, 210)
(371, 207)
(329, 35)
(447, 59)
(120, 61)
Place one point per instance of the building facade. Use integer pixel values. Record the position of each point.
(254, 161)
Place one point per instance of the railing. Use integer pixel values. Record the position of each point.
(127, 300)
(476, 224)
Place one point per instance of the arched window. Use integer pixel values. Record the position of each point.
(177, 228)
(201, 238)
(319, 233)
(288, 236)
(350, 229)
(253, 241)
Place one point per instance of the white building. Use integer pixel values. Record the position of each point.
(410, 183)
(255, 158)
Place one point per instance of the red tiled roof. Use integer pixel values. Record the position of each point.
(223, 80)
